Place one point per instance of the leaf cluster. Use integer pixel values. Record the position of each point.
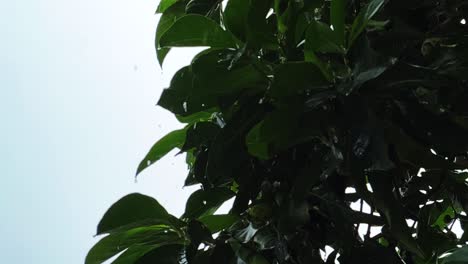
(299, 109)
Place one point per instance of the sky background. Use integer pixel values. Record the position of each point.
(78, 86)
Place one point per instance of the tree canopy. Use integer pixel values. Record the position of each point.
(296, 110)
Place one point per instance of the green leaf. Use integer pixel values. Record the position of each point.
(218, 223)
(256, 144)
(198, 233)
(168, 18)
(197, 117)
(200, 134)
(368, 65)
(235, 17)
(169, 254)
(174, 139)
(456, 256)
(195, 31)
(337, 19)
(165, 4)
(246, 20)
(112, 244)
(133, 254)
(206, 202)
(293, 78)
(129, 209)
(320, 38)
(201, 86)
(363, 19)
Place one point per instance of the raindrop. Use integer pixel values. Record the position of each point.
(148, 162)
(204, 202)
(184, 105)
(331, 27)
(203, 105)
(260, 101)
(463, 21)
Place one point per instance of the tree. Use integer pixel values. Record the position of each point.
(296, 110)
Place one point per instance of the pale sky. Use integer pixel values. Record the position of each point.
(79, 83)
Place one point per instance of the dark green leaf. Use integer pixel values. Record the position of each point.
(114, 243)
(337, 19)
(321, 38)
(295, 78)
(170, 254)
(217, 223)
(132, 208)
(202, 86)
(173, 140)
(196, 30)
(165, 4)
(198, 233)
(173, 12)
(196, 117)
(206, 202)
(363, 18)
(235, 17)
(200, 134)
(456, 256)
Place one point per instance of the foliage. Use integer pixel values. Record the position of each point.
(298, 109)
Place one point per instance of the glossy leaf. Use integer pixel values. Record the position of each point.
(457, 256)
(321, 38)
(114, 243)
(363, 19)
(174, 11)
(174, 139)
(195, 31)
(165, 4)
(130, 209)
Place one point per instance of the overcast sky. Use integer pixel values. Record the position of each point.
(79, 83)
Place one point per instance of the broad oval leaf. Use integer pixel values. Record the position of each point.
(113, 244)
(132, 208)
(196, 31)
(321, 38)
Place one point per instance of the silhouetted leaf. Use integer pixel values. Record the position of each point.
(206, 202)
